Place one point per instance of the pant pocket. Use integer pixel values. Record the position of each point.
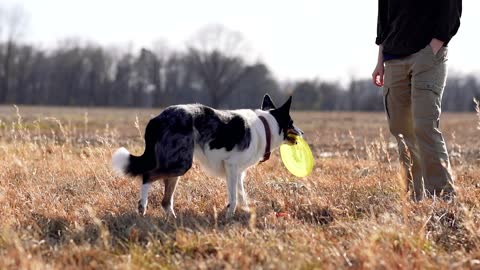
(427, 58)
(429, 86)
(427, 99)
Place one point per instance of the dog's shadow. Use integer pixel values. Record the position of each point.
(122, 229)
(132, 225)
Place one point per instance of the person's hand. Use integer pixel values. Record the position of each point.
(377, 75)
(436, 45)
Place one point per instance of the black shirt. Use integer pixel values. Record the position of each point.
(407, 26)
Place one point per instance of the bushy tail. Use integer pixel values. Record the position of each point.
(123, 163)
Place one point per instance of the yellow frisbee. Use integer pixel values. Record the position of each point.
(297, 158)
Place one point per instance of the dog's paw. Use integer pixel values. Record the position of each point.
(245, 209)
(229, 215)
(169, 212)
(142, 210)
(230, 212)
(168, 208)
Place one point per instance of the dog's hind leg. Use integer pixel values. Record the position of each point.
(233, 179)
(142, 203)
(167, 202)
(174, 155)
(242, 196)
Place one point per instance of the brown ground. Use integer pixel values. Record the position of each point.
(62, 207)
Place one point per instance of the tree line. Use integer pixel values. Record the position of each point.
(213, 70)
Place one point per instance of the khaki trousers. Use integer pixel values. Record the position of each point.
(412, 95)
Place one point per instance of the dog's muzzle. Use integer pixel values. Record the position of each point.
(291, 133)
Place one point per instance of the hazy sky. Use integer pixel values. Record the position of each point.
(331, 40)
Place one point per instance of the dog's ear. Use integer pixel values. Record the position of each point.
(286, 107)
(267, 103)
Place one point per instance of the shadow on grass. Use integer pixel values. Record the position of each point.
(314, 215)
(129, 227)
(120, 230)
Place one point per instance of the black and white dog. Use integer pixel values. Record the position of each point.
(225, 142)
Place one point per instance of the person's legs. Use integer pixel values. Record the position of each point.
(397, 99)
(429, 73)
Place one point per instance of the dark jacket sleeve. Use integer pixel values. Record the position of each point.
(382, 23)
(448, 20)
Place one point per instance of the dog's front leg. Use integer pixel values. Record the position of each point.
(241, 192)
(233, 177)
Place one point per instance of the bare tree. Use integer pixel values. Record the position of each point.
(217, 56)
(152, 64)
(307, 96)
(251, 89)
(13, 22)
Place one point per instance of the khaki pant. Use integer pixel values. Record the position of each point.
(412, 94)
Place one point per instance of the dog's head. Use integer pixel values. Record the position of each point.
(282, 115)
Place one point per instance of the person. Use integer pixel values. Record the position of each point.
(412, 68)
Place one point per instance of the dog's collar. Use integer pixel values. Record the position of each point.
(268, 134)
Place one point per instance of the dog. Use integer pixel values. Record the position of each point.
(225, 143)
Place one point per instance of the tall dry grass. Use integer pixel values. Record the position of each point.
(62, 207)
(477, 109)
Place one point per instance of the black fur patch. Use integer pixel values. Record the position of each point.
(282, 115)
(267, 103)
(221, 129)
(169, 140)
(283, 120)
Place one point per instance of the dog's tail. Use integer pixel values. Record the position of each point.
(124, 163)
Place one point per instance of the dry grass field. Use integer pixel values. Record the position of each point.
(61, 207)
